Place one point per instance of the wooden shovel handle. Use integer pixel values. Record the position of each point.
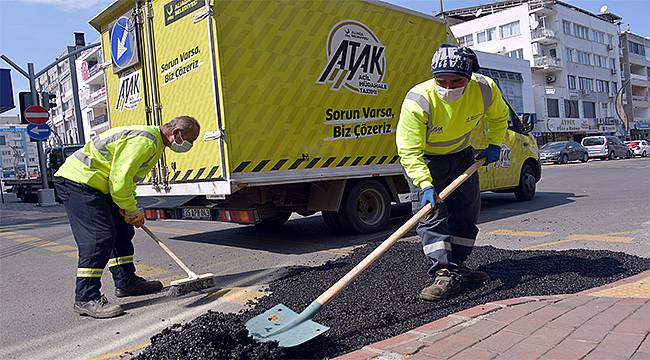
(169, 252)
(335, 289)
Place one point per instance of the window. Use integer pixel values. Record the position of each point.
(571, 108)
(602, 86)
(586, 84)
(636, 48)
(583, 57)
(614, 86)
(598, 36)
(486, 35)
(467, 40)
(610, 39)
(604, 110)
(589, 109)
(600, 61)
(572, 82)
(581, 31)
(566, 25)
(509, 30)
(3, 141)
(569, 55)
(553, 108)
(612, 64)
(519, 54)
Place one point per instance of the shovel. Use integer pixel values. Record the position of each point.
(289, 328)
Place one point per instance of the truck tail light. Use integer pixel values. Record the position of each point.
(154, 214)
(239, 216)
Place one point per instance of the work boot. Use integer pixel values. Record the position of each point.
(447, 282)
(139, 286)
(472, 276)
(99, 308)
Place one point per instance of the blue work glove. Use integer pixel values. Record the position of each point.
(428, 196)
(491, 154)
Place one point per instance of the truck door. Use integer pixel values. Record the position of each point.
(181, 37)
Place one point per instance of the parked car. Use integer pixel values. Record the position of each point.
(561, 152)
(639, 147)
(606, 147)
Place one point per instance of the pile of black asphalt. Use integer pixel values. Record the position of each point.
(383, 302)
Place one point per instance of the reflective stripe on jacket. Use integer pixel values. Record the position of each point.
(429, 125)
(115, 161)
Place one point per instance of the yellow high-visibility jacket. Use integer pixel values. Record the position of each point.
(115, 161)
(429, 125)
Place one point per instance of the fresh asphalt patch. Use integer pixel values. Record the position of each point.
(383, 301)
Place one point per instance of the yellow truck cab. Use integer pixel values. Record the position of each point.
(298, 103)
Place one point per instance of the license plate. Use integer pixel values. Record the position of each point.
(196, 214)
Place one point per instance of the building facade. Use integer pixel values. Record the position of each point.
(573, 55)
(18, 155)
(92, 92)
(635, 66)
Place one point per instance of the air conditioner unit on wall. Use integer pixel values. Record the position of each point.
(613, 71)
(583, 91)
(550, 79)
(610, 47)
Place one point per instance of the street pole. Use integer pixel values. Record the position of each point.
(45, 195)
(72, 62)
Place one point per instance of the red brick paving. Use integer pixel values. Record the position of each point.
(572, 326)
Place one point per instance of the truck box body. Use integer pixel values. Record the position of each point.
(304, 90)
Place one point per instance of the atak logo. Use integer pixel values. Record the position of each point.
(129, 92)
(356, 59)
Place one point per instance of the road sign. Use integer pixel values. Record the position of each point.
(38, 131)
(11, 129)
(123, 46)
(36, 114)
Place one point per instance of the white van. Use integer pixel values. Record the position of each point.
(606, 147)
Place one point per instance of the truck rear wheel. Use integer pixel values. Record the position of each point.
(365, 207)
(275, 221)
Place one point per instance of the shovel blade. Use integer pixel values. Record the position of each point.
(263, 326)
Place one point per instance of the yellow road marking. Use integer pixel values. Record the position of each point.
(606, 238)
(637, 289)
(14, 235)
(551, 243)
(62, 248)
(118, 354)
(147, 270)
(521, 233)
(583, 237)
(27, 239)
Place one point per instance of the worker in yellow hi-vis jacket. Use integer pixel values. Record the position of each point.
(433, 142)
(97, 186)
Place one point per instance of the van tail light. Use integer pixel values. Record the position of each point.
(606, 146)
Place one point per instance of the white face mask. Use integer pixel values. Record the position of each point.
(450, 95)
(184, 146)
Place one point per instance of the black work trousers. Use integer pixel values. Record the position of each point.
(449, 231)
(102, 236)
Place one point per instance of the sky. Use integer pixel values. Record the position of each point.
(39, 30)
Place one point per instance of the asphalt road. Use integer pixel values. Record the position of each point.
(597, 205)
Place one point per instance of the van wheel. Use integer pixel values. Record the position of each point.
(585, 158)
(527, 184)
(644, 154)
(610, 156)
(275, 221)
(365, 207)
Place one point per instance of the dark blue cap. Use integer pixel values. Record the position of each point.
(452, 59)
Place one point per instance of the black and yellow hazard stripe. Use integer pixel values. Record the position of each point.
(315, 163)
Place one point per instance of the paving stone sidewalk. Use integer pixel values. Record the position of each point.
(610, 322)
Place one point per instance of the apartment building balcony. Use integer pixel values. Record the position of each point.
(96, 99)
(547, 64)
(640, 101)
(544, 36)
(542, 7)
(99, 120)
(95, 75)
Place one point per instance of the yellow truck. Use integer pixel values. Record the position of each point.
(298, 103)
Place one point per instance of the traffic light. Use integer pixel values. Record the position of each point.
(47, 100)
(25, 101)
